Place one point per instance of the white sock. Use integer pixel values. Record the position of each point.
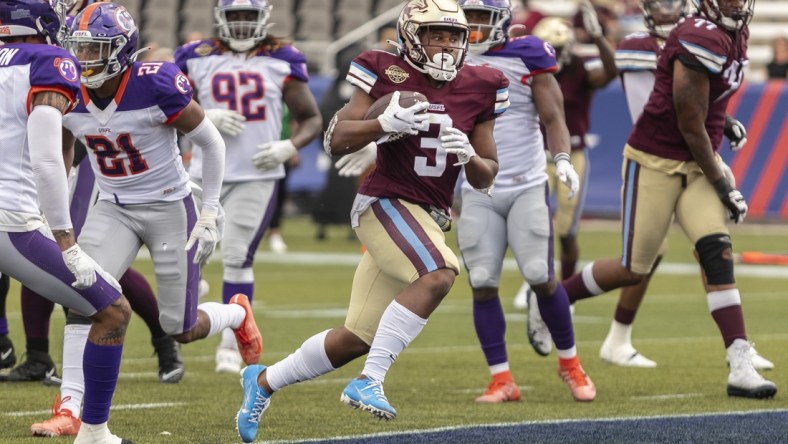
(620, 334)
(566, 354)
(228, 339)
(398, 327)
(72, 390)
(90, 433)
(308, 362)
(222, 316)
(499, 368)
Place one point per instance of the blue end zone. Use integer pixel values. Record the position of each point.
(735, 427)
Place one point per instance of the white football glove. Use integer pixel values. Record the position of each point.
(226, 121)
(273, 154)
(736, 133)
(82, 266)
(396, 119)
(354, 164)
(590, 19)
(566, 173)
(456, 142)
(206, 234)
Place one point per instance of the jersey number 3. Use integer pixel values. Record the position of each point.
(107, 155)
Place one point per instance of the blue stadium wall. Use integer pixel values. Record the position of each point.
(760, 168)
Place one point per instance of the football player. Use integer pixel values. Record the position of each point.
(579, 79)
(518, 215)
(672, 169)
(127, 117)
(402, 207)
(34, 178)
(242, 79)
(636, 59)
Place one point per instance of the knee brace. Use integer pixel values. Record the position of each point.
(716, 257)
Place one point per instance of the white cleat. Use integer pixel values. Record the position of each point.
(228, 360)
(624, 356)
(97, 434)
(277, 243)
(203, 288)
(521, 298)
(743, 380)
(538, 333)
(758, 361)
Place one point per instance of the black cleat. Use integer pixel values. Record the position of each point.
(170, 364)
(7, 355)
(37, 367)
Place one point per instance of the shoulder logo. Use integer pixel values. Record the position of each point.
(203, 50)
(182, 84)
(548, 48)
(67, 69)
(396, 74)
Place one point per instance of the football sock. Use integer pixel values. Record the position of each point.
(36, 311)
(222, 316)
(228, 339)
(582, 285)
(4, 284)
(398, 327)
(72, 390)
(500, 372)
(101, 365)
(237, 280)
(620, 334)
(308, 362)
(725, 308)
(491, 330)
(624, 316)
(555, 313)
(142, 300)
(568, 267)
(97, 433)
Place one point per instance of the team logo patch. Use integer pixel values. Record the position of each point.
(548, 48)
(203, 50)
(182, 84)
(396, 74)
(67, 69)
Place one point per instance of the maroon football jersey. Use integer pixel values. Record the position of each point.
(573, 80)
(722, 55)
(416, 168)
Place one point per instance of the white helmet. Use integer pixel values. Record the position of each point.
(418, 16)
(242, 35)
(559, 34)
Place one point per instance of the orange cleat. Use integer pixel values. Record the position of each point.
(62, 422)
(575, 377)
(500, 391)
(250, 341)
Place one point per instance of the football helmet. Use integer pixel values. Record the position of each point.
(104, 38)
(661, 16)
(30, 17)
(559, 34)
(729, 14)
(497, 28)
(242, 24)
(415, 19)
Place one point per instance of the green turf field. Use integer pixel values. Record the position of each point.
(433, 383)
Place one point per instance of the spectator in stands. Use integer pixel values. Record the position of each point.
(778, 67)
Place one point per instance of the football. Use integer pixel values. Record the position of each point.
(406, 100)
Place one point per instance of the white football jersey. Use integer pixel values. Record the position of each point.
(521, 156)
(131, 147)
(26, 69)
(250, 84)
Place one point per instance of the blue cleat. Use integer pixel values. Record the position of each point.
(256, 401)
(367, 395)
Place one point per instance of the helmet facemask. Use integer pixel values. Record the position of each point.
(724, 14)
(242, 27)
(447, 61)
(495, 29)
(662, 15)
(98, 57)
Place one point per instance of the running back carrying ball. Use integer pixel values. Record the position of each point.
(408, 118)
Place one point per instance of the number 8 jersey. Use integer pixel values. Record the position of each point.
(133, 152)
(250, 84)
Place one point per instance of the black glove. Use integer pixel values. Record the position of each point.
(732, 199)
(735, 132)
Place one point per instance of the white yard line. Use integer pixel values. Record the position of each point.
(157, 405)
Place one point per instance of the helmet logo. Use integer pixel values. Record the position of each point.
(124, 20)
(396, 74)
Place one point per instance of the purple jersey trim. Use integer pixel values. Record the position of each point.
(159, 84)
(531, 50)
(294, 57)
(51, 68)
(193, 275)
(200, 48)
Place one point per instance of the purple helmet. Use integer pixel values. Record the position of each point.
(242, 24)
(30, 17)
(104, 38)
(497, 27)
